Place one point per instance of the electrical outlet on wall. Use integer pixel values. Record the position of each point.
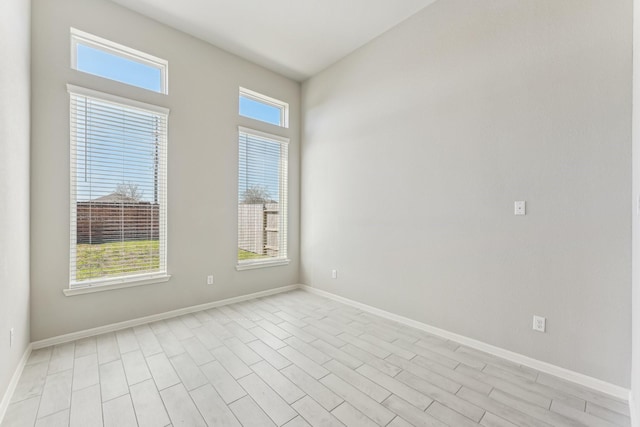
(11, 333)
(210, 279)
(539, 324)
(334, 274)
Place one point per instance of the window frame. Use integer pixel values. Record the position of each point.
(283, 185)
(79, 37)
(102, 284)
(267, 100)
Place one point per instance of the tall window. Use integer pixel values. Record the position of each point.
(262, 199)
(118, 189)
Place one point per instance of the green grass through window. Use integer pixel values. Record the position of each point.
(104, 260)
(242, 255)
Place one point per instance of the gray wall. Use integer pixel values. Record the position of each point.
(635, 207)
(14, 184)
(203, 98)
(416, 146)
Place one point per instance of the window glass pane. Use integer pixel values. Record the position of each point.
(108, 65)
(260, 111)
(262, 198)
(118, 166)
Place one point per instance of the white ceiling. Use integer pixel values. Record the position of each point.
(296, 38)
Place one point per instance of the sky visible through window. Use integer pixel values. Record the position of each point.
(114, 67)
(117, 150)
(259, 167)
(259, 111)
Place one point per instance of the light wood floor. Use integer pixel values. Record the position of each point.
(292, 359)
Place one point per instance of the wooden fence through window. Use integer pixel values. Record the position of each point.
(258, 228)
(103, 222)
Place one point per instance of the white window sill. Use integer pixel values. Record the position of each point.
(262, 264)
(110, 285)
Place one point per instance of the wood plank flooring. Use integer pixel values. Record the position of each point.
(292, 359)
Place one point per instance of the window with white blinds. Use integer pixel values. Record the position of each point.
(118, 189)
(262, 199)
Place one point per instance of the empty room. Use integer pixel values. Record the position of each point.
(319, 213)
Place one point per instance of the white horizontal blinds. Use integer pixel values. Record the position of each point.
(262, 197)
(118, 190)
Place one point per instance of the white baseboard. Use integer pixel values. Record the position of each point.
(6, 399)
(566, 374)
(155, 317)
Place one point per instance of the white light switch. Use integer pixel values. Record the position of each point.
(520, 207)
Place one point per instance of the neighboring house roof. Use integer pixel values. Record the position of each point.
(116, 198)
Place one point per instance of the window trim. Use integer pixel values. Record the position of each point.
(252, 264)
(262, 264)
(103, 284)
(125, 282)
(127, 102)
(79, 37)
(264, 99)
